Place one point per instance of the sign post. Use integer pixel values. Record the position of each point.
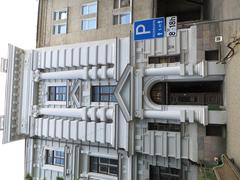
(149, 29)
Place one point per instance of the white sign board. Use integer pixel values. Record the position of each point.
(171, 26)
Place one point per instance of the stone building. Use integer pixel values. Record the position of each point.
(92, 103)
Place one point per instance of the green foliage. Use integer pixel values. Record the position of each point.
(28, 177)
(60, 178)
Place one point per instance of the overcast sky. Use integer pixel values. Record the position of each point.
(18, 20)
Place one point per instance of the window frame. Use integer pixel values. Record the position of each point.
(87, 5)
(58, 25)
(118, 15)
(56, 15)
(57, 22)
(46, 93)
(106, 164)
(109, 94)
(119, 4)
(87, 19)
(52, 166)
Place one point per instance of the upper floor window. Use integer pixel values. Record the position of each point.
(104, 165)
(163, 59)
(164, 127)
(88, 24)
(60, 15)
(103, 94)
(124, 18)
(60, 22)
(60, 28)
(121, 3)
(57, 93)
(54, 157)
(89, 8)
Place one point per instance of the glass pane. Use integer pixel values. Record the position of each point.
(63, 15)
(104, 98)
(104, 160)
(92, 24)
(84, 25)
(105, 89)
(113, 170)
(115, 19)
(103, 169)
(125, 18)
(111, 89)
(116, 4)
(125, 3)
(85, 10)
(95, 93)
(62, 29)
(113, 161)
(92, 9)
(113, 98)
(55, 16)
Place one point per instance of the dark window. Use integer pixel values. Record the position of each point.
(57, 93)
(158, 93)
(212, 55)
(163, 59)
(103, 94)
(188, 10)
(164, 173)
(104, 165)
(164, 127)
(214, 130)
(55, 158)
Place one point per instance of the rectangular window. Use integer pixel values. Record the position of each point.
(103, 94)
(54, 157)
(124, 18)
(60, 22)
(60, 15)
(164, 127)
(60, 29)
(57, 93)
(212, 55)
(160, 173)
(89, 8)
(104, 165)
(88, 24)
(164, 59)
(214, 130)
(121, 3)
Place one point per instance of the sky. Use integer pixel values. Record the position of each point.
(18, 21)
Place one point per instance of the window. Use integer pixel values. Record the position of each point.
(57, 93)
(163, 59)
(122, 19)
(54, 157)
(60, 22)
(60, 29)
(212, 55)
(164, 127)
(160, 173)
(88, 24)
(103, 94)
(89, 8)
(121, 3)
(104, 165)
(214, 130)
(60, 15)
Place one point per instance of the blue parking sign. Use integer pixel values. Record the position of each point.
(149, 29)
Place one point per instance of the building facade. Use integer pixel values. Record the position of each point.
(92, 103)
